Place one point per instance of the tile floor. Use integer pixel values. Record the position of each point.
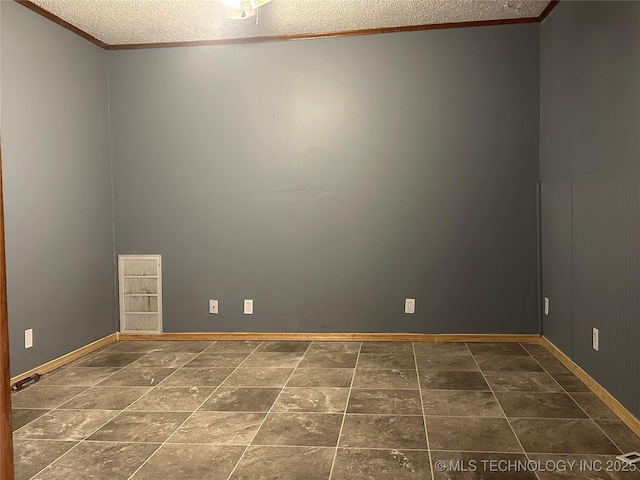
(316, 411)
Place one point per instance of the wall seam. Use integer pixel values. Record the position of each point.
(571, 216)
(114, 259)
(539, 186)
(539, 255)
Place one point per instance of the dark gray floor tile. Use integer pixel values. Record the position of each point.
(105, 398)
(198, 377)
(137, 376)
(481, 466)
(391, 348)
(136, 346)
(108, 359)
(328, 360)
(621, 435)
(321, 377)
(241, 399)
(45, 396)
(583, 467)
(334, 347)
(99, 461)
(284, 463)
(140, 427)
(539, 405)
(535, 349)
(237, 346)
(449, 348)
(364, 464)
(300, 429)
(452, 380)
(594, 407)
(79, 376)
(165, 359)
(562, 436)
(389, 378)
(570, 382)
(22, 416)
(186, 346)
(226, 359)
(551, 364)
(66, 424)
(471, 434)
(498, 363)
(460, 403)
(283, 346)
(258, 377)
(78, 362)
(31, 456)
(446, 363)
(385, 401)
(498, 348)
(220, 428)
(522, 382)
(383, 431)
(307, 399)
(307, 419)
(273, 359)
(191, 462)
(386, 361)
(172, 399)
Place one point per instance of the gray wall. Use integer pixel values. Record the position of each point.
(590, 161)
(330, 179)
(57, 187)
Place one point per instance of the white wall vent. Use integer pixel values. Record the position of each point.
(140, 279)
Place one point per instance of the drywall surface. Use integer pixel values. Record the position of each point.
(329, 179)
(590, 159)
(57, 188)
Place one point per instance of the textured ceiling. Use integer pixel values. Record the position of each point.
(122, 22)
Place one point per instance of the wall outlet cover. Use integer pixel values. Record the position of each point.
(410, 305)
(213, 306)
(596, 339)
(546, 305)
(630, 458)
(248, 307)
(28, 338)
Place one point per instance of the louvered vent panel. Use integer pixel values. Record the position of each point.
(140, 293)
(140, 285)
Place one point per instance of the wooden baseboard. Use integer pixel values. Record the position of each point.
(336, 337)
(620, 410)
(69, 357)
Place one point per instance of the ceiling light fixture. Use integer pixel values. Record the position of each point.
(245, 8)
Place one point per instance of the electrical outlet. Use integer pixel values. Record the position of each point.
(28, 338)
(546, 305)
(409, 305)
(213, 306)
(248, 307)
(596, 339)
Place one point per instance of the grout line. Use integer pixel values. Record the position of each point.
(267, 414)
(564, 454)
(382, 449)
(49, 410)
(424, 416)
(77, 444)
(344, 414)
(504, 413)
(315, 412)
(581, 407)
(194, 411)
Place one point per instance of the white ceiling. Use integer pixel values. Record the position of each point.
(125, 22)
